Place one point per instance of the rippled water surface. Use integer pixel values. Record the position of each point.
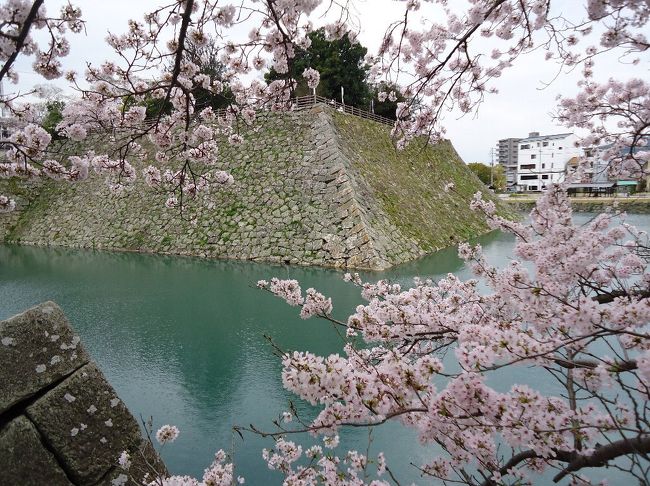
(182, 340)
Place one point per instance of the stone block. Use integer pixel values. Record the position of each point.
(24, 460)
(37, 348)
(86, 425)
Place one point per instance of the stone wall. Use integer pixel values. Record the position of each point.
(314, 187)
(595, 205)
(61, 422)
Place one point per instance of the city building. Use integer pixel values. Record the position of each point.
(543, 159)
(597, 178)
(507, 151)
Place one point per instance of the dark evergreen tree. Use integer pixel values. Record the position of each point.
(387, 107)
(206, 57)
(340, 63)
(53, 115)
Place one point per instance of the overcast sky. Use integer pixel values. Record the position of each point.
(522, 105)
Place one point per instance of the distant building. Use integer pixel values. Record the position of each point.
(543, 159)
(597, 179)
(507, 151)
(594, 166)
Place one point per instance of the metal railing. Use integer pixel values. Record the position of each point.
(308, 101)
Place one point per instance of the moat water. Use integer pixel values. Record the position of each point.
(183, 340)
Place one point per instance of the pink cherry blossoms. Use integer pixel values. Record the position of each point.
(157, 64)
(313, 304)
(444, 65)
(589, 285)
(220, 473)
(167, 433)
(626, 104)
(454, 64)
(350, 469)
(312, 76)
(19, 18)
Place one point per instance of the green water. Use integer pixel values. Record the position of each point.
(182, 340)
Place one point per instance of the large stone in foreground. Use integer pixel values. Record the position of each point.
(86, 424)
(24, 459)
(37, 348)
(61, 422)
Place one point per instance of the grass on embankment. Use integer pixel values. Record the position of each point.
(409, 184)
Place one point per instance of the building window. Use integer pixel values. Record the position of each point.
(559, 148)
(543, 166)
(532, 188)
(544, 144)
(527, 166)
(528, 177)
(524, 147)
(533, 156)
(545, 176)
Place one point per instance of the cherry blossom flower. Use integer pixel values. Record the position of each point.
(166, 434)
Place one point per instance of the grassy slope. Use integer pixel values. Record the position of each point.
(410, 184)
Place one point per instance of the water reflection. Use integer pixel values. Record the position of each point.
(181, 339)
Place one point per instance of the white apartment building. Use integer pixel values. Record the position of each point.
(543, 159)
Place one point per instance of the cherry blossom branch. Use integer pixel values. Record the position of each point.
(20, 39)
(603, 454)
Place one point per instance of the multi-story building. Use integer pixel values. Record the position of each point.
(597, 176)
(543, 159)
(507, 151)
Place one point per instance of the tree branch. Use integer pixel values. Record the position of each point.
(20, 40)
(187, 16)
(603, 454)
(600, 457)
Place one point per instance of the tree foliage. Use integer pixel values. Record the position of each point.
(384, 104)
(340, 62)
(493, 177)
(53, 116)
